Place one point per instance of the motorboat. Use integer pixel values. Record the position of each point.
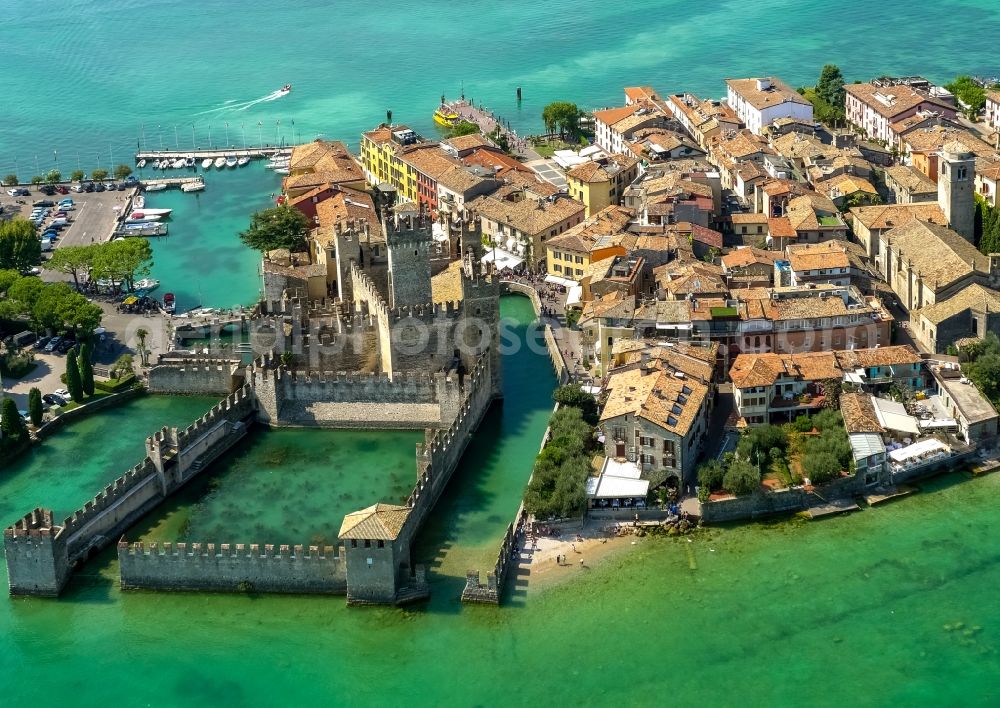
(156, 165)
(281, 171)
(158, 187)
(179, 163)
(189, 162)
(142, 163)
(275, 164)
(139, 202)
(147, 284)
(231, 162)
(193, 186)
(206, 163)
(156, 212)
(286, 88)
(169, 303)
(138, 217)
(166, 163)
(243, 161)
(220, 162)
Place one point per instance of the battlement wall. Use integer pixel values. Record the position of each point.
(35, 550)
(229, 567)
(235, 407)
(194, 375)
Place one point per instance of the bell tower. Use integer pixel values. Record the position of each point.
(956, 187)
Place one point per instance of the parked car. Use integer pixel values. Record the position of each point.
(89, 187)
(66, 345)
(47, 189)
(99, 187)
(22, 192)
(40, 344)
(62, 393)
(62, 189)
(76, 188)
(53, 399)
(68, 206)
(43, 203)
(14, 192)
(53, 345)
(122, 186)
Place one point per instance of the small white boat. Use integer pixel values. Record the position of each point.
(147, 284)
(193, 186)
(179, 163)
(139, 217)
(156, 212)
(142, 163)
(165, 163)
(156, 165)
(243, 161)
(139, 202)
(281, 171)
(158, 187)
(189, 162)
(206, 163)
(231, 162)
(220, 162)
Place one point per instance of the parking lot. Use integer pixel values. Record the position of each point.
(92, 219)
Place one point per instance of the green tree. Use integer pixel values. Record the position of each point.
(73, 382)
(143, 350)
(37, 179)
(830, 86)
(75, 261)
(7, 279)
(123, 261)
(464, 127)
(122, 171)
(562, 116)
(278, 227)
(99, 175)
(971, 95)
(574, 395)
(19, 245)
(10, 180)
(710, 475)
(821, 467)
(86, 370)
(35, 406)
(741, 478)
(53, 177)
(77, 176)
(24, 293)
(12, 426)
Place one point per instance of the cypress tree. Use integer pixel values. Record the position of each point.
(86, 370)
(12, 425)
(35, 406)
(73, 382)
(977, 224)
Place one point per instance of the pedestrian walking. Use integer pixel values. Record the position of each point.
(581, 562)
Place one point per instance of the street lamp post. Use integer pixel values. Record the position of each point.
(193, 146)
(243, 129)
(260, 133)
(227, 134)
(210, 144)
(177, 138)
(277, 131)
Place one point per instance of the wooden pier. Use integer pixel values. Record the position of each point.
(253, 153)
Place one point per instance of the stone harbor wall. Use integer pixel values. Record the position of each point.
(510, 550)
(195, 375)
(41, 554)
(229, 567)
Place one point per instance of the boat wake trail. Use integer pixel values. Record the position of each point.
(234, 105)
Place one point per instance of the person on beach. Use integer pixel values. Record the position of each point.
(581, 562)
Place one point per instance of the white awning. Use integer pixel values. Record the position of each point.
(438, 232)
(618, 480)
(893, 416)
(503, 258)
(674, 325)
(565, 282)
(918, 450)
(575, 295)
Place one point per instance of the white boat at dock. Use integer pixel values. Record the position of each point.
(189, 162)
(220, 162)
(243, 161)
(156, 212)
(156, 187)
(139, 217)
(179, 163)
(147, 284)
(206, 163)
(231, 162)
(139, 202)
(281, 171)
(193, 186)
(142, 163)
(165, 164)
(155, 165)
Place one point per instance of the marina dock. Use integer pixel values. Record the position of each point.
(252, 153)
(172, 181)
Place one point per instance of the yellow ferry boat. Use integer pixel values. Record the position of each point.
(446, 116)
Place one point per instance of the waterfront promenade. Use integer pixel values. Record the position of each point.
(489, 123)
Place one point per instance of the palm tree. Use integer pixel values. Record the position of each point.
(141, 335)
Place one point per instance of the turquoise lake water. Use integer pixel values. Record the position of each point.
(859, 610)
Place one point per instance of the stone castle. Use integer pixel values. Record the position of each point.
(381, 353)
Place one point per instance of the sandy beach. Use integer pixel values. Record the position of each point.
(548, 560)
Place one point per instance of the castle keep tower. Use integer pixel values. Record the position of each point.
(956, 186)
(408, 241)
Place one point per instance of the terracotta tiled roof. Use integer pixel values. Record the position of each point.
(781, 227)
(778, 93)
(974, 297)
(895, 99)
(379, 522)
(816, 256)
(602, 171)
(748, 255)
(911, 179)
(344, 205)
(933, 139)
(468, 142)
(610, 116)
(582, 237)
(885, 216)
(937, 253)
(859, 413)
(660, 397)
(528, 216)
